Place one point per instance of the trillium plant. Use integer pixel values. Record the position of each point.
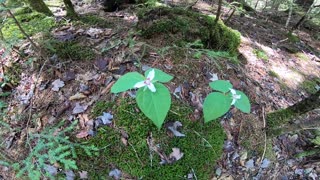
(153, 98)
(216, 104)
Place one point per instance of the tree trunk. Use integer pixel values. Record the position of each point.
(280, 119)
(40, 6)
(304, 17)
(70, 9)
(218, 12)
(290, 14)
(255, 7)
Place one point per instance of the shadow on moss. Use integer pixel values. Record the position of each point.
(181, 26)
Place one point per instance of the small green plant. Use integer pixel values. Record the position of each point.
(260, 54)
(153, 98)
(218, 103)
(52, 147)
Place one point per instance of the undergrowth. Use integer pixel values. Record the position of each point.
(49, 149)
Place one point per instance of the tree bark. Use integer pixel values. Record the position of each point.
(290, 14)
(40, 6)
(219, 11)
(280, 119)
(70, 9)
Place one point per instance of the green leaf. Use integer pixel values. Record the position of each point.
(197, 55)
(159, 75)
(221, 85)
(127, 82)
(154, 105)
(215, 105)
(243, 103)
(2, 105)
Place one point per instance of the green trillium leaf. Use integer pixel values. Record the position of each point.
(127, 82)
(159, 75)
(243, 103)
(155, 105)
(221, 85)
(215, 105)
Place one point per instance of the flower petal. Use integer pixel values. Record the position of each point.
(237, 96)
(139, 84)
(151, 87)
(233, 92)
(151, 75)
(233, 101)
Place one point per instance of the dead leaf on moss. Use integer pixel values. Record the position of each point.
(175, 155)
(82, 134)
(70, 175)
(174, 129)
(79, 109)
(115, 173)
(57, 84)
(106, 118)
(77, 96)
(83, 120)
(83, 174)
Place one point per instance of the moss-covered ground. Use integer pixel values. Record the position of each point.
(261, 54)
(31, 22)
(69, 49)
(310, 85)
(202, 145)
(180, 26)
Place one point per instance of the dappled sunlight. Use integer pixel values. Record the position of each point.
(292, 69)
(292, 79)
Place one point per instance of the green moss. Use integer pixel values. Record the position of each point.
(22, 10)
(293, 38)
(278, 118)
(32, 23)
(202, 146)
(302, 56)
(261, 54)
(100, 107)
(273, 74)
(69, 50)
(270, 153)
(12, 74)
(181, 26)
(93, 20)
(310, 85)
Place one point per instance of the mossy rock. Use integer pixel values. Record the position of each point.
(202, 145)
(181, 26)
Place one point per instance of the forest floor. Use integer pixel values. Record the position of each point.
(275, 71)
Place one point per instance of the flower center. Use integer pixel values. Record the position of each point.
(147, 81)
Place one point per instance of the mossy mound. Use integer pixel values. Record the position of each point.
(31, 23)
(181, 26)
(69, 50)
(202, 145)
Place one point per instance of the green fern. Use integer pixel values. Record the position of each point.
(52, 146)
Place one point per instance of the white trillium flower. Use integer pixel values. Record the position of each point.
(147, 82)
(235, 96)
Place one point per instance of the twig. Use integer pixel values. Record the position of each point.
(265, 135)
(194, 174)
(198, 134)
(136, 153)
